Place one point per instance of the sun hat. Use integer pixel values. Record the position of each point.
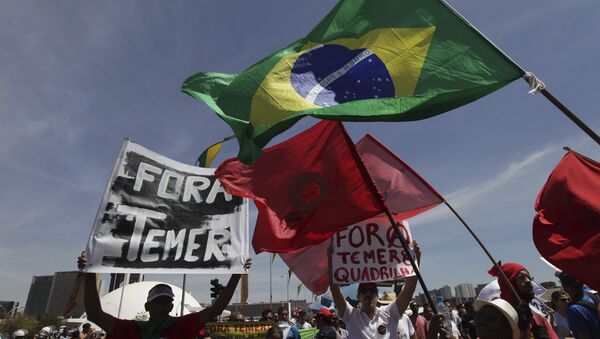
(507, 311)
(387, 298)
(160, 290)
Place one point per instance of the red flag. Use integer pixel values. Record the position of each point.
(405, 192)
(566, 229)
(305, 188)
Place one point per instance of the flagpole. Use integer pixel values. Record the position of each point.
(377, 195)
(571, 115)
(542, 90)
(182, 296)
(494, 262)
(271, 283)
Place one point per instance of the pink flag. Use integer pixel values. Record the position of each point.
(404, 191)
(406, 195)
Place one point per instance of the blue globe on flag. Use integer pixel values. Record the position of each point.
(328, 75)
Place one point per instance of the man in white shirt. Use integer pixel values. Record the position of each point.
(406, 329)
(368, 320)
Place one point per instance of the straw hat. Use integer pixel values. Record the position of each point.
(387, 298)
(506, 309)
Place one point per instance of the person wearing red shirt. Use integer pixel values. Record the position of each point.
(159, 304)
(419, 322)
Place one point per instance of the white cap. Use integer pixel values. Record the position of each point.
(160, 290)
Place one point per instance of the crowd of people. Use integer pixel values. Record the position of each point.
(63, 332)
(574, 313)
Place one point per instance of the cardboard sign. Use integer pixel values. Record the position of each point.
(161, 216)
(370, 252)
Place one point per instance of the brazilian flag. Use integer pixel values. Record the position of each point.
(367, 60)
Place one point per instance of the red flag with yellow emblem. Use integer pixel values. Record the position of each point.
(305, 188)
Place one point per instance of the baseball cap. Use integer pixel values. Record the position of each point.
(324, 312)
(160, 290)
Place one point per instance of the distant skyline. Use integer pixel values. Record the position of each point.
(78, 77)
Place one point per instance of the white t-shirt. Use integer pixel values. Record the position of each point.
(306, 325)
(405, 328)
(383, 326)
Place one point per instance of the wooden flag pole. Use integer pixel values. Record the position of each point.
(410, 257)
(377, 195)
(494, 262)
(571, 116)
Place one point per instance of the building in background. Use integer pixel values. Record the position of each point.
(116, 280)
(62, 288)
(39, 292)
(446, 292)
(464, 292)
(8, 308)
(49, 294)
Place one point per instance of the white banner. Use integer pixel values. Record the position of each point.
(370, 252)
(161, 216)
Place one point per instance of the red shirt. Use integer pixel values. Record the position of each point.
(420, 324)
(184, 327)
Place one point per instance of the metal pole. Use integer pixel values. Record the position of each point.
(271, 283)
(182, 295)
(494, 262)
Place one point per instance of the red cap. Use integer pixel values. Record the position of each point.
(324, 311)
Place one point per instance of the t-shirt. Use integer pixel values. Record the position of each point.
(561, 326)
(184, 327)
(584, 319)
(289, 330)
(405, 328)
(541, 321)
(420, 324)
(382, 326)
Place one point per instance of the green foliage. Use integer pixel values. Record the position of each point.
(8, 326)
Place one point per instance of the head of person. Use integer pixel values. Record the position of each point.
(470, 311)
(266, 315)
(449, 305)
(386, 298)
(367, 295)
(86, 328)
(283, 314)
(274, 333)
(19, 334)
(414, 308)
(302, 316)
(427, 312)
(571, 285)
(237, 316)
(496, 319)
(324, 317)
(560, 301)
(159, 302)
(462, 310)
(519, 278)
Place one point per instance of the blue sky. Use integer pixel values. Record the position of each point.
(77, 77)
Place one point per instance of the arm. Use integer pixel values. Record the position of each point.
(224, 298)
(91, 300)
(411, 284)
(336, 291)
